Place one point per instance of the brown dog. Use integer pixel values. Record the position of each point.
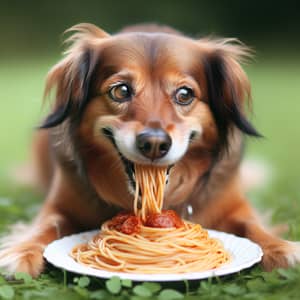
(152, 96)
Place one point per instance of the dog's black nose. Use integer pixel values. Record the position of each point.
(153, 143)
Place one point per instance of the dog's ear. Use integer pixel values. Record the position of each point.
(71, 77)
(227, 86)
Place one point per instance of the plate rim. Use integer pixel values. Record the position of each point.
(166, 277)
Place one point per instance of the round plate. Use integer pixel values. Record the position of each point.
(244, 254)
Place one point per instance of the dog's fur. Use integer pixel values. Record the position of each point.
(78, 148)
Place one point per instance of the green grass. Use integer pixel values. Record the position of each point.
(276, 93)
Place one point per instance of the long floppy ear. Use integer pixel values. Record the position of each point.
(228, 87)
(71, 76)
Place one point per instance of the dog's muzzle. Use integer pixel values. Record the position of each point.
(152, 143)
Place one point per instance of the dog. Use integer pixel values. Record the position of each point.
(147, 95)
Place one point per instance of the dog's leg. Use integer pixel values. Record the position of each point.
(22, 250)
(230, 212)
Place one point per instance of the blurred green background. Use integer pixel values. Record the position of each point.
(31, 36)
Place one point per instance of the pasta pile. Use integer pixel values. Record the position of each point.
(145, 242)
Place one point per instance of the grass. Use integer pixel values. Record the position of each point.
(276, 93)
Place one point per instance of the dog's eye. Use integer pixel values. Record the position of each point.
(184, 96)
(120, 93)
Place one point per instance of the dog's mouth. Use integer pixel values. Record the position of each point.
(128, 164)
(130, 171)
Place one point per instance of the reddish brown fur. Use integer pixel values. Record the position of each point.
(84, 177)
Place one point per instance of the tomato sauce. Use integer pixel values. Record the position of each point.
(165, 219)
(128, 223)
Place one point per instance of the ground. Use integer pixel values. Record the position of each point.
(276, 89)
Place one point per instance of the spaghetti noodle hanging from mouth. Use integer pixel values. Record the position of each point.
(151, 182)
(151, 240)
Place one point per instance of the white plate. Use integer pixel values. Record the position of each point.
(244, 254)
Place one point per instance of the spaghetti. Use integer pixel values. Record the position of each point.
(151, 240)
(150, 181)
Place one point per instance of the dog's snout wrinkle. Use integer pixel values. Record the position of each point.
(153, 143)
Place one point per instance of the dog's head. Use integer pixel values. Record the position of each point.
(147, 98)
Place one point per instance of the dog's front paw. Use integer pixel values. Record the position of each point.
(281, 255)
(24, 257)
